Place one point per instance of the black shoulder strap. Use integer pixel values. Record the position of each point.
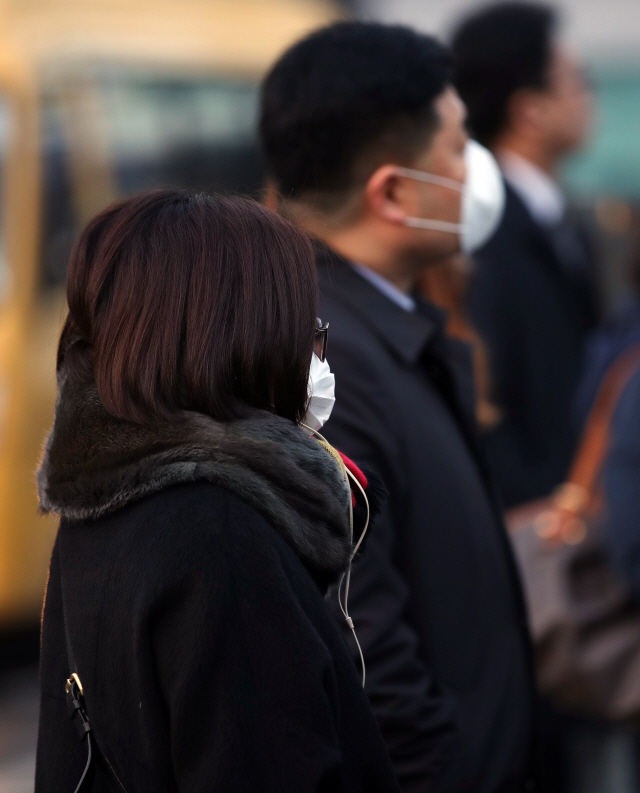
(75, 701)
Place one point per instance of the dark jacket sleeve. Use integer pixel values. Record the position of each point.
(245, 676)
(622, 488)
(416, 717)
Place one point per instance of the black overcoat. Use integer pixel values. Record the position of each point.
(436, 597)
(196, 608)
(621, 475)
(532, 300)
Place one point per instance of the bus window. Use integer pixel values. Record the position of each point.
(124, 131)
(197, 134)
(58, 221)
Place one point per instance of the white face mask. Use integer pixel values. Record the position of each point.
(322, 393)
(483, 197)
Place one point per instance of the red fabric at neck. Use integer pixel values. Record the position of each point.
(357, 473)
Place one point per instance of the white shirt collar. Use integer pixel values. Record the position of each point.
(391, 291)
(539, 192)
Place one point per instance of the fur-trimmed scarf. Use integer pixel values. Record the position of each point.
(94, 464)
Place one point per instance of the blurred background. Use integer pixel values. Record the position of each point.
(100, 98)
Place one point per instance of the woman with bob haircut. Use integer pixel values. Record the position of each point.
(186, 645)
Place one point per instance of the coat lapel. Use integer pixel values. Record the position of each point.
(404, 333)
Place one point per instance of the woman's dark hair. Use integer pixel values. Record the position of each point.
(497, 51)
(348, 91)
(182, 301)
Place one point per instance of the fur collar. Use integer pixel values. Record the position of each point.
(94, 464)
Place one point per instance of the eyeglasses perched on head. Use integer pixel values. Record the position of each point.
(322, 337)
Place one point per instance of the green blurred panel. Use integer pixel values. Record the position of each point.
(611, 163)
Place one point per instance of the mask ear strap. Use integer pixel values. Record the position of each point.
(433, 225)
(345, 578)
(443, 181)
(430, 178)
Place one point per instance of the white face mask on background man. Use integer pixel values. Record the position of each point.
(483, 198)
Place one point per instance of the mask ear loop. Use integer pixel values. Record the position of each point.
(431, 178)
(345, 578)
(443, 181)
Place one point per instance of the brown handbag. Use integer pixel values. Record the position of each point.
(584, 623)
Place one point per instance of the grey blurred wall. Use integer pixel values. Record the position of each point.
(607, 29)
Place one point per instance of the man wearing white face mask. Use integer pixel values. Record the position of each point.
(365, 143)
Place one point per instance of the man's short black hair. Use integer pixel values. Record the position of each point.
(497, 51)
(343, 99)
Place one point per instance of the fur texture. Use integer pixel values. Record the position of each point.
(94, 464)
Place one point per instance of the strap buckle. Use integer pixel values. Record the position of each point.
(75, 705)
(74, 679)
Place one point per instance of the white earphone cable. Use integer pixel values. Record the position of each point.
(346, 576)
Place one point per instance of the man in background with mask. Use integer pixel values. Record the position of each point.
(532, 298)
(365, 145)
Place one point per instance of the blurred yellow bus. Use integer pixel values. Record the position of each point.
(99, 98)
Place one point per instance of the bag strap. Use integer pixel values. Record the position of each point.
(75, 694)
(75, 701)
(577, 493)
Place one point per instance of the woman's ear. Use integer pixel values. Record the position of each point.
(388, 195)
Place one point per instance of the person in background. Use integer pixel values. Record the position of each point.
(532, 297)
(613, 750)
(365, 144)
(200, 522)
(621, 489)
(607, 345)
(620, 331)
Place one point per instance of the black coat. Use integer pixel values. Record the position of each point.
(436, 598)
(621, 486)
(532, 301)
(195, 558)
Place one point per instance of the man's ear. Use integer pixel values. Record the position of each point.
(387, 195)
(524, 111)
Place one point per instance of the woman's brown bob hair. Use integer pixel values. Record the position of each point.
(182, 301)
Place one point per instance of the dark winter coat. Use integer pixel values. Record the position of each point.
(622, 486)
(620, 332)
(194, 558)
(532, 301)
(436, 596)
